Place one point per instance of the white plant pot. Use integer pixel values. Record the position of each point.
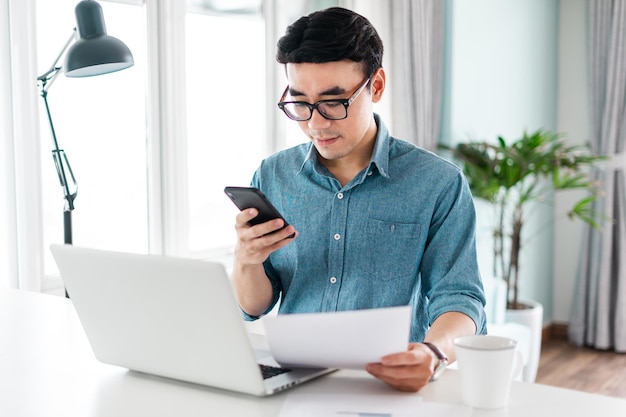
(532, 318)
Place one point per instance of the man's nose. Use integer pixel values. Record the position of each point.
(317, 121)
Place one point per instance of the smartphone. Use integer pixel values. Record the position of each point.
(250, 197)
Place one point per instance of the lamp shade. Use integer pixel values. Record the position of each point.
(95, 52)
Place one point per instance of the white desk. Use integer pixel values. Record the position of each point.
(47, 368)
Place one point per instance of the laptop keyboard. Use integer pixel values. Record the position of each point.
(270, 371)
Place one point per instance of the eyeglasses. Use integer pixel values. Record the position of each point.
(336, 109)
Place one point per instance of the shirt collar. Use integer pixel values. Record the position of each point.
(380, 154)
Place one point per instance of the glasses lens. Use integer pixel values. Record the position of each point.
(334, 110)
(297, 111)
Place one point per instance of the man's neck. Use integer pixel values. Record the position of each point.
(345, 169)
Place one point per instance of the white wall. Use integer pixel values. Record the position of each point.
(503, 80)
(573, 121)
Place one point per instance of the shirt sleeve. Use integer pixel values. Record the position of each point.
(450, 274)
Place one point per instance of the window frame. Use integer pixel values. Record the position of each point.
(167, 144)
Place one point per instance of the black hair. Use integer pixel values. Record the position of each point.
(330, 35)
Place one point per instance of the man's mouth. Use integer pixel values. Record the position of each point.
(326, 141)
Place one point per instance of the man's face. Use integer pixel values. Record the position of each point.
(336, 140)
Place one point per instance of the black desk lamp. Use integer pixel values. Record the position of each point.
(93, 53)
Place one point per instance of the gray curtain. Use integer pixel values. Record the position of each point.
(417, 28)
(599, 311)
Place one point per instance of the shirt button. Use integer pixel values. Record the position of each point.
(369, 173)
(340, 196)
(333, 280)
(337, 236)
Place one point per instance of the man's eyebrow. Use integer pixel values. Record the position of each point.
(334, 91)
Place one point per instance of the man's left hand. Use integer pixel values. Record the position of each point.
(406, 371)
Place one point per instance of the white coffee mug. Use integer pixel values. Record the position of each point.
(487, 365)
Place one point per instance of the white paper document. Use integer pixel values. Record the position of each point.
(345, 339)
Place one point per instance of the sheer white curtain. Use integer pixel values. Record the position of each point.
(20, 214)
(417, 58)
(599, 309)
(8, 265)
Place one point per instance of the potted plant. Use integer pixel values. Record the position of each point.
(511, 176)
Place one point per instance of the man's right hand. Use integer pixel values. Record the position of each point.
(254, 245)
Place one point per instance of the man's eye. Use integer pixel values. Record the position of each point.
(332, 104)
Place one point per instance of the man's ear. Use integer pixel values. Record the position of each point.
(378, 85)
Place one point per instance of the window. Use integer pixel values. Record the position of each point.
(228, 106)
(100, 122)
(225, 79)
(122, 132)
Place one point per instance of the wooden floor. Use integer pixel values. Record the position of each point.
(582, 369)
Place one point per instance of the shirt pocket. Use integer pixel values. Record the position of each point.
(395, 249)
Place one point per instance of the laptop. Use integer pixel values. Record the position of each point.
(175, 318)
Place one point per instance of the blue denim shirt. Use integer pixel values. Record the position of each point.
(402, 232)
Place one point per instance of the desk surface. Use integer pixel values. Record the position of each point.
(47, 368)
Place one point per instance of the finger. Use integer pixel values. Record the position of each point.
(410, 357)
(242, 224)
(409, 379)
(284, 241)
(273, 240)
(254, 249)
(398, 372)
(408, 384)
(269, 228)
(244, 216)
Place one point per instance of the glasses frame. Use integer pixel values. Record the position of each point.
(315, 106)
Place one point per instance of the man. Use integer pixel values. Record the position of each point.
(378, 222)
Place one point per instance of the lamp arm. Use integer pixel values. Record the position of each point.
(48, 77)
(62, 164)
